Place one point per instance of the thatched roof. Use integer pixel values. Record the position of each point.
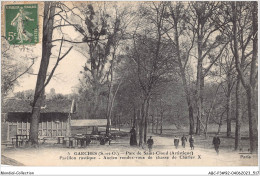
(54, 105)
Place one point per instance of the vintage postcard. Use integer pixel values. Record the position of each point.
(129, 83)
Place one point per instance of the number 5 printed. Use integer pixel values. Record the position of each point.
(11, 36)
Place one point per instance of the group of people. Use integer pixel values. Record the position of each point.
(183, 141)
(150, 142)
(215, 142)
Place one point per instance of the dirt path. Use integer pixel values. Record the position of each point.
(119, 153)
(8, 161)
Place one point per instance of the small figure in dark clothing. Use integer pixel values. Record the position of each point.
(106, 138)
(183, 141)
(103, 140)
(176, 142)
(109, 138)
(133, 140)
(216, 143)
(88, 140)
(191, 140)
(150, 143)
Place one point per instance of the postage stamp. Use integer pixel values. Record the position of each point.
(157, 85)
(21, 24)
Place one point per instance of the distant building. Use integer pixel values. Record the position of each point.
(87, 126)
(51, 94)
(54, 118)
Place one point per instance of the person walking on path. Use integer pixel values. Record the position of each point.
(150, 143)
(191, 140)
(216, 143)
(183, 141)
(133, 140)
(176, 142)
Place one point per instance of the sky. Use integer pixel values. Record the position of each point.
(66, 75)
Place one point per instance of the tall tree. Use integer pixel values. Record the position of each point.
(210, 46)
(119, 35)
(178, 21)
(49, 11)
(251, 85)
(101, 54)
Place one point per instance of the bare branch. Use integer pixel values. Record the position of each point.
(57, 62)
(24, 71)
(214, 61)
(65, 40)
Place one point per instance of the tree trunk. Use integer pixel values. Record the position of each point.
(145, 128)
(119, 122)
(253, 123)
(206, 127)
(202, 102)
(115, 121)
(95, 101)
(199, 78)
(109, 103)
(34, 124)
(229, 112)
(152, 123)
(252, 88)
(131, 123)
(134, 120)
(220, 122)
(141, 124)
(137, 117)
(238, 114)
(111, 99)
(161, 122)
(49, 11)
(191, 119)
(109, 109)
(183, 77)
(199, 96)
(157, 125)
(146, 118)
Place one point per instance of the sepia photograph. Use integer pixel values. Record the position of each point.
(98, 83)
